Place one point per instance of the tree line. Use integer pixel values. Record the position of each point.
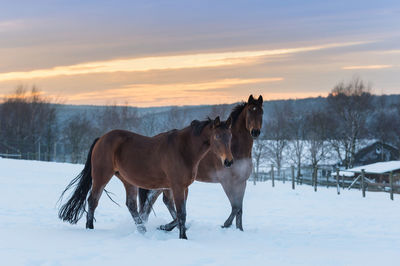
(336, 129)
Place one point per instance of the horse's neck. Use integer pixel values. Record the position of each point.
(195, 146)
(242, 142)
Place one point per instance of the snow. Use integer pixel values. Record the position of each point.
(282, 226)
(375, 168)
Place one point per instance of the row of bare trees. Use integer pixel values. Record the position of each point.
(28, 124)
(32, 127)
(332, 130)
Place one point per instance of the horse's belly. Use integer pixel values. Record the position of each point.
(145, 177)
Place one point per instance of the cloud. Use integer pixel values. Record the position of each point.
(184, 61)
(171, 94)
(10, 25)
(367, 67)
(389, 52)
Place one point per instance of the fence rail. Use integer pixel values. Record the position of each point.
(328, 177)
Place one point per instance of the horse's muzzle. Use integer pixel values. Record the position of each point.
(255, 133)
(228, 163)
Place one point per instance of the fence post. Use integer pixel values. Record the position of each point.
(300, 178)
(342, 181)
(391, 185)
(284, 176)
(362, 182)
(315, 172)
(272, 175)
(327, 180)
(39, 150)
(292, 177)
(337, 181)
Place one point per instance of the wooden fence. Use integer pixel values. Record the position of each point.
(329, 177)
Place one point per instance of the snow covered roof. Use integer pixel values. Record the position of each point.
(375, 168)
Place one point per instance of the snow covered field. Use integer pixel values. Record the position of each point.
(282, 226)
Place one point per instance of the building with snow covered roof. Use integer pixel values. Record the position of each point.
(376, 152)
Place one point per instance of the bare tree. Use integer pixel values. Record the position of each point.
(276, 131)
(384, 123)
(176, 118)
(148, 125)
(79, 133)
(349, 103)
(296, 144)
(259, 152)
(118, 117)
(221, 110)
(317, 132)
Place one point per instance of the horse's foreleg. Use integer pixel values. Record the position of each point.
(151, 198)
(229, 221)
(131, 203)
(180, 204)
(240, 195)
(235, 193)
(169, 202)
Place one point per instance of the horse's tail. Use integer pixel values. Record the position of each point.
(143, 194)
(73, 210)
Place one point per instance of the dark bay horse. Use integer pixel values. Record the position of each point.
(167, 161)
(246, 125)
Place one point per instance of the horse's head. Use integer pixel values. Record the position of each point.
(254, 114)
(220, 140)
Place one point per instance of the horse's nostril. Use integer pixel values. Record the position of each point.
(228, 163)
(255, 133)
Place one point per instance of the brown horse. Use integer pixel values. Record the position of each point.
(246, 125)
(169, 160)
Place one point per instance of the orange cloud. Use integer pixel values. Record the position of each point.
(164, 62)
(170, 94)
(367, 67)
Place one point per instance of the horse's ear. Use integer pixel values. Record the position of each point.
(251, 99)
(217, 122)
(194, 122)
(260, 99)
(229, 122)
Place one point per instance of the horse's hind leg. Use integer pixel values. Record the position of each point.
(95, 194)
(169, 202)
(131, 203)
(93, 201)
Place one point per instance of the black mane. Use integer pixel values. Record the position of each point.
(198, 126)
(236, 111)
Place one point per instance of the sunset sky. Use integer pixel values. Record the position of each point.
(157, 53)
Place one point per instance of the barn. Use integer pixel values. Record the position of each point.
(376, 152)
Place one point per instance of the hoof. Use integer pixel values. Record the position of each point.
(165, 228)
(168, 227)
(89, 226)
(141, 229)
